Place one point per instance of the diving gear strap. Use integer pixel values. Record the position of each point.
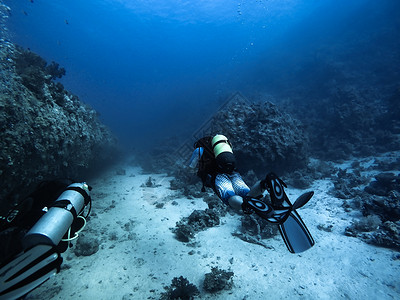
(261, 208)
(275, 187)
(52, 226)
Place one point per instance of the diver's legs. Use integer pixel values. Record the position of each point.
(224, 188)
(228, 187)
(239, 186)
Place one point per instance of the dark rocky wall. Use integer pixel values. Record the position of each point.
(350, 122)
(45, 132)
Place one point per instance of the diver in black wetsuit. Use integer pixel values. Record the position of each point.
(216, 168)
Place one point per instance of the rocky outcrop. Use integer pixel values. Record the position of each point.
(46, 132)
(218, 280)
(263, 137)
(198, 220)
(349, 122)
(180, 288)
(380, 207)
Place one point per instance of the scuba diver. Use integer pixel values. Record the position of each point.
(36, 231)
(213, 155)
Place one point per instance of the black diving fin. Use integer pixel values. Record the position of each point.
(28, 270)
(302, 200)
(295, 234)
(282, 212)
(261, 208)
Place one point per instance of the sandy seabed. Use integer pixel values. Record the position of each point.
(139, 253)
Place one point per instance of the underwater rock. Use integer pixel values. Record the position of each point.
(86, 246)
(371, 230)
(121, 172)
(299, 180)
(263, 138)
(198, 220)
(150, 183)
(216, 204)
(218, 280)
(387, 236)
(346, 184)
(180, 288)
(325, 227)
(384, 183)
(159, 205)
(350, 121)
(380, 224)
(383, 197)
(387, 208)
(188, 184)
(364, 224)
(255, 230)
(46, 132)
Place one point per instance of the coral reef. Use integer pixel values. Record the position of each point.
(86, 246)
(349, 122)
(264, 138)
(315, 170)
(35, 74)
(383, 184)
(198, 220)
(385, 200)
(380, 206)
(180, 288)
(346, 184)
(218, 280)
(46, 132)
(255, 230)
(215, 204)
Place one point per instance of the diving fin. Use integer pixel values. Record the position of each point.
(295, 233)
(276, 189)
(28, 270)
(261, 208)
(282, 212)
(302, 200)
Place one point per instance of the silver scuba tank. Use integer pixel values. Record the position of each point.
(52, 226)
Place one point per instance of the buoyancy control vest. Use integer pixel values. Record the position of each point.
(207, 166)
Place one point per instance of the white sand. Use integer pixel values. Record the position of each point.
(137, 264)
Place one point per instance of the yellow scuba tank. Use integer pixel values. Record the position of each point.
(220, 144)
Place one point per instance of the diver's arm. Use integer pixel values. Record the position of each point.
(197, 153)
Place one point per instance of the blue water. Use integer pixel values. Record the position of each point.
(160, 68)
